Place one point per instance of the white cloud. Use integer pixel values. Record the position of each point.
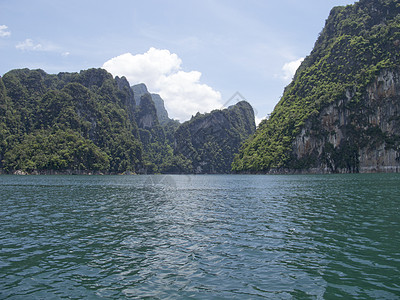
(258, 120)
(290, 68)
(29, 45)
(3, 31)
(161, 71)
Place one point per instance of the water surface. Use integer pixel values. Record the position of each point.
(200, 237)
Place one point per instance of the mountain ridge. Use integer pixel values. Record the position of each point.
(85, 123)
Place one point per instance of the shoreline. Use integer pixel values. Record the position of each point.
(314, 171)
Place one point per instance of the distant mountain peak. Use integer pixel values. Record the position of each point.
(141, 89)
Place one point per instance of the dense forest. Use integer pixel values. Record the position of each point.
(357, 44)
(70, 121)
(87, 122)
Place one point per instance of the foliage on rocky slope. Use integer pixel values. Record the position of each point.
(357, 43)
(209, 141)
(78, 121)
(89, 122)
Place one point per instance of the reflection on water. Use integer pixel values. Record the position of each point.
(231, 237)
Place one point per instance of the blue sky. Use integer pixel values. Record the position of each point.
(196, 54)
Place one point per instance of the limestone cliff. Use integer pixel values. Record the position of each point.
(145, 114)
(211, 140)
(341, 111)
(346, 137)
(139, 90)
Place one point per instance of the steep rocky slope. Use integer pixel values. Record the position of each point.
(88, 122)
(139, 90)
(364, 138)
(209, 141)
(341, 111)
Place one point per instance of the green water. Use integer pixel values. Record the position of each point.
(200, 237)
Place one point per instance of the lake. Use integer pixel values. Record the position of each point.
(200, 237)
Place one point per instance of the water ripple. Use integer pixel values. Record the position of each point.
(200, 237)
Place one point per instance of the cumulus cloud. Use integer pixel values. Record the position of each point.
(3, 31)
(258, 120)
(161, 71)
(290, 68)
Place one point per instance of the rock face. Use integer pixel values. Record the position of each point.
(157, 140)
(123, 85)
(349, 138)
(139, 90)
(384, 115)
(162, 113)
(145, 114)
(211, 140)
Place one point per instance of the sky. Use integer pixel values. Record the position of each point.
(199, 55)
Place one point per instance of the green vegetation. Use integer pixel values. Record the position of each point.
(157, 140)
(68, 121)
(358, 41)
(58, 150)
(88, 122)
(207, 143)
